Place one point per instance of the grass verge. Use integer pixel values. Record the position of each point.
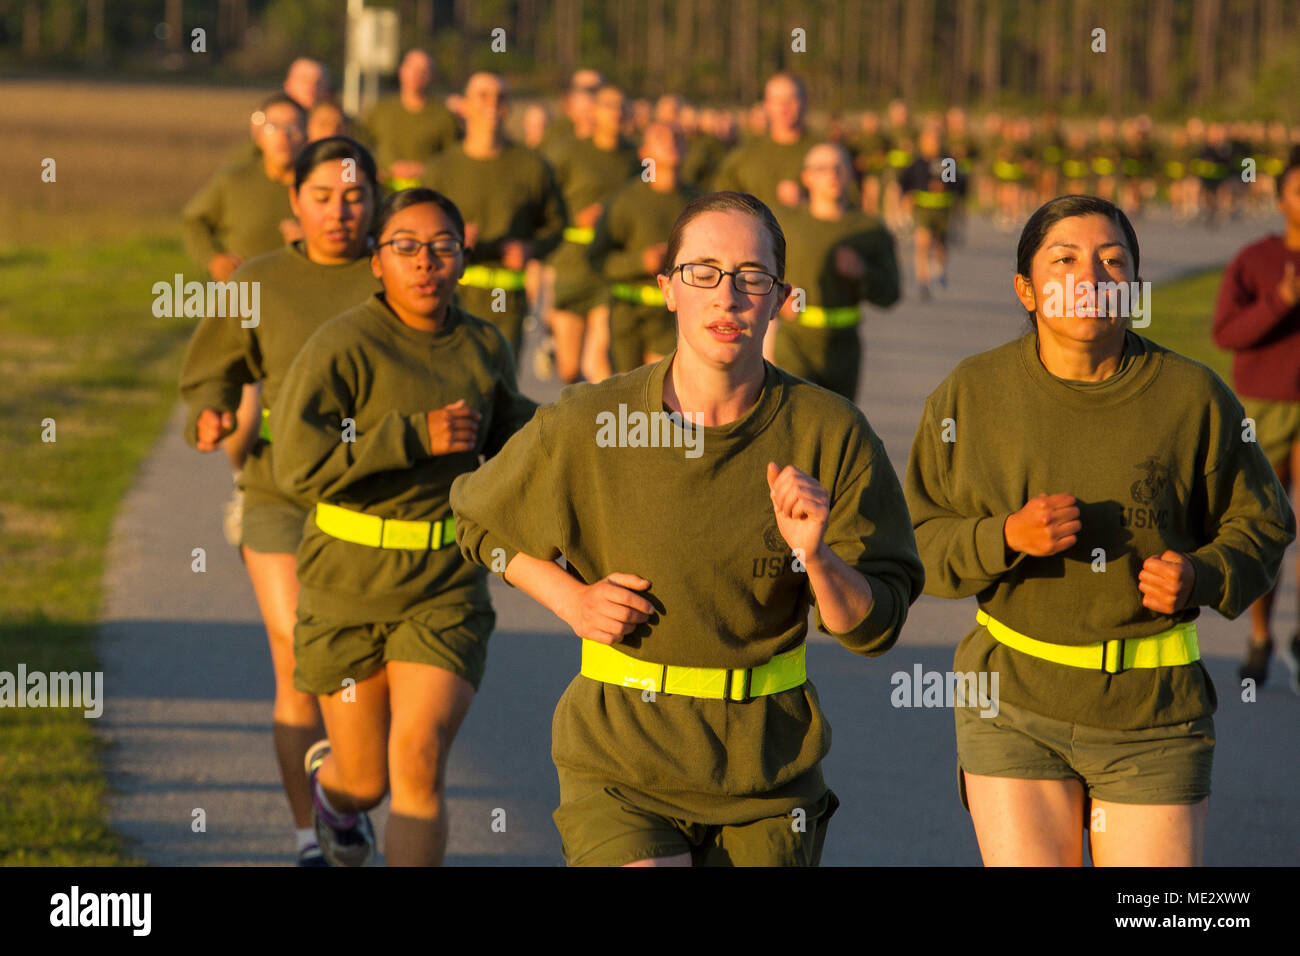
(81, 347)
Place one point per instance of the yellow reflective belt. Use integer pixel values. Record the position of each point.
(1103, 166)
(640, 294)
(1170, 648)
(815, 317)
(898, 158)
(398, 183)
(929, 200)
(486, 277)
(376, 532)
(1074, 168)
(264, 432)
(603, 663)
(1004, 170)
(582, 235)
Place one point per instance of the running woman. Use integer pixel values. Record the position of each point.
(409, 129)
(838, 257)
(334, 197)
(514, 209)
(1258, 317)
(768, 165)
(692, 734)
(242, 212)
(629, 247)
(383, 406)
(1093, 490)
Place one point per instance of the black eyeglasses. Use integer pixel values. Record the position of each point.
(748, 281)
(406, 246)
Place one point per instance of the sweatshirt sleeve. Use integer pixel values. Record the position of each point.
(963, 553)
(201, 218)
(312, 461)
(511, 410)
(870, 530)
(880, 284)
(608, 252)
(1249, 524)
(1245, 316)
(216, 368)
(507, 505)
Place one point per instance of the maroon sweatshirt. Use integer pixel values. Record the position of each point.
(1251, 319)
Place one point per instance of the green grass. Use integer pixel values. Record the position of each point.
(1182, 314)
(81, 346)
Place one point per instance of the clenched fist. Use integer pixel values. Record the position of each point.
(1046, 525)
(453, 428)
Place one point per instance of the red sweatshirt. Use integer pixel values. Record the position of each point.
(1251, 319)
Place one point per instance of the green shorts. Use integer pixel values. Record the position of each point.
(578, 287)
(601, 826)
(272, 526)
(933, 221)
(452, 638)
(831, 358)
(1277, 426)
(1154, 765)
(635, 330)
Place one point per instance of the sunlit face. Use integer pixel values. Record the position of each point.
(306, 82)
(722, 326)
(422, 284)
(281, 135)
(485, 99)
(1076, 254)
(826, 172)
(609, 110)
(326, 120)
(334, 206)
(782, 104)
(1288, 202)
(416, 73)
(662, 144)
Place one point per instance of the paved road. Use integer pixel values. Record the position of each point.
(188, 681)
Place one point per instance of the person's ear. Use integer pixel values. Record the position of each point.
(293, 203)
(1025, 293)
(666, 287)
(375, 269)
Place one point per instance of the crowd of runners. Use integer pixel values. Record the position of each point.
(710, 269)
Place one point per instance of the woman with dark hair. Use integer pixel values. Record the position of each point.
(384, 405)
(692, 734)
(1094, 490)
(333, 195)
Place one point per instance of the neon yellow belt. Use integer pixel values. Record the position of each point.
(376, 532)
(398, 183)
(487, 277)
(1004, 170)
(843, 317)
(898, 158)
(582, 235)
(264, 432)
(929, 200)
(638, 294)
(1178, 645)
(603, 663)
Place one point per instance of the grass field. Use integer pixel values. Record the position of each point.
(1181, 316)
(78, 258)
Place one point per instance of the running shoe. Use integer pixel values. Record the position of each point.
(345, 840)
(1255, 666)
(311, 855)
(1291, 654)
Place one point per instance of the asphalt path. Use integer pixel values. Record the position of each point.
(188, 681)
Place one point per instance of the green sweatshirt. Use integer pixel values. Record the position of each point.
(758, 165)
(635, 218)
(588, 174)
(239, 211)
(296, 296)
(728, 592)
(513, 196)
(368, 366)
(1154, 454)
(401, 135)
(810, 258)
